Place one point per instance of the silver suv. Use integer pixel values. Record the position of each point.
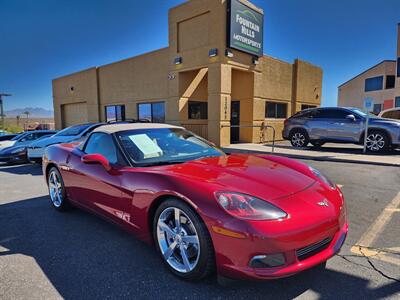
(340, 125)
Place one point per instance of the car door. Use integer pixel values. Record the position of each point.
(315, 125)
(331, 124)
(92, 185)
(348, 125)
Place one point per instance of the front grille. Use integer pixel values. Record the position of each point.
(312, 249)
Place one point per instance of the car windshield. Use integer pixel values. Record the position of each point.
(73, 130)
(148, 147)
(15, 138)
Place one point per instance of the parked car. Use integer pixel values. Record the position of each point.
(340, 125)
(69, 134)
(18, 152)
(7, 137)
(25, 138)
(246, 216)
(392, 113)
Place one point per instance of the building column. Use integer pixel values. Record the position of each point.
(219, 103)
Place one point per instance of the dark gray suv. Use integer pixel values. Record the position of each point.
(341, 125)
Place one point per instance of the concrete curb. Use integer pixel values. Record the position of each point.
(320, 158)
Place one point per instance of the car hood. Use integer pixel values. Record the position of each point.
(247, 174)
(6, 144)
(52, 140)
(8, 150)
(383, 121)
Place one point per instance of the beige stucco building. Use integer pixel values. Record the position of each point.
(381, 83)
(197, 81)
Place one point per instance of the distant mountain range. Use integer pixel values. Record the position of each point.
(34, 112)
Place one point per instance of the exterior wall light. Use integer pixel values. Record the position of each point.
(213, 52)
(178, 60)
(228, 53)
(255, 60)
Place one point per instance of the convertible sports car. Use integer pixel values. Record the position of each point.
(245, 216)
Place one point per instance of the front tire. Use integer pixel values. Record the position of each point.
(299, 138)
(58, 195)
(377, 141)
(183, 240)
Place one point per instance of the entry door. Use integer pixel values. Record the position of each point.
(235, 120)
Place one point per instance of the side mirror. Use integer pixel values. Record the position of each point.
(351, 117)
(96, 159)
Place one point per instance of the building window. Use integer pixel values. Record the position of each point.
(397, 102)
(374, 84)
(306, 106)
(153, 112)
(377, 108)
(390, 80)
(115, 113)
(198, 110)
(275, 110)
(398, 67)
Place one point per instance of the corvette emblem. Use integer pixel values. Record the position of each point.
(323, 203)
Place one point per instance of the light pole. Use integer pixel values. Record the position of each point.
(2, 109)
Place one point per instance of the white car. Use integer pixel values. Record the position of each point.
(67, 135)
(25, 138)
(392, 113)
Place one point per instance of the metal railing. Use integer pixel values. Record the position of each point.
(263, 127)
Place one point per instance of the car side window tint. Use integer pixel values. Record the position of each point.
(333, 114)
(102, 143)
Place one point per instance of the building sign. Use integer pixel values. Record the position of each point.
(245, 28)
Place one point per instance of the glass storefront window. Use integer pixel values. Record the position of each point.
(275, 110)
(198, 110)
(153, 112)
(115, 113)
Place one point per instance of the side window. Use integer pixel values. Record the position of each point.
(28, 137)
(333, 114)
(393, 114)
(102, 143)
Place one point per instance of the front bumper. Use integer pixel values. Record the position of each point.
(290, 238)
(13, 158)
(292, 266)
(35, 153)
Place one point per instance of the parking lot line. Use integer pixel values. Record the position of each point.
(364, 245)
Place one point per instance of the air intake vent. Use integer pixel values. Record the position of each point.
(313, 249)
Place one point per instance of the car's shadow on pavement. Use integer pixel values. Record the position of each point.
(85, 257)
(22, 169)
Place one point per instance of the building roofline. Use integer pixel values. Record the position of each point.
(383, 61)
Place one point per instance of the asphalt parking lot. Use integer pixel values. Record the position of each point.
(49, 255)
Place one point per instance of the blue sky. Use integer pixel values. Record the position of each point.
(44, 39)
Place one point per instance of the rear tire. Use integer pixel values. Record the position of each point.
(299, 138)
(377, 141)
(186, 248)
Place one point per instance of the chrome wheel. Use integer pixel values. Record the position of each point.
(375, 142)
(178, 240)
(55, 189)
(298, 139)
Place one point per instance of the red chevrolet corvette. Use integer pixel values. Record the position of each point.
(245, 216)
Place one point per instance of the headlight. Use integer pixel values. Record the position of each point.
(323, 178)
(248, 207)
(18, 150)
